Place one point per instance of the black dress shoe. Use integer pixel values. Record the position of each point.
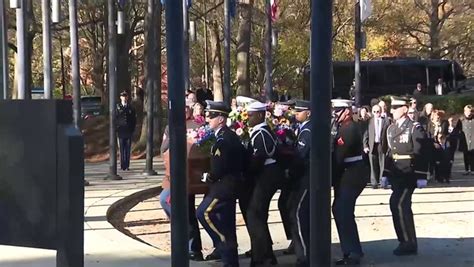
(348, 261)
(290, 250)
(195, 256)
(213, 256)
(405, 251)
(248, 254)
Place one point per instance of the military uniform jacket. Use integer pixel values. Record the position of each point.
(408, 155)
(348, 166)
(126, 120)
(226, 164)
(301, 163)
(262, 149)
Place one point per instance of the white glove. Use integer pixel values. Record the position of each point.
(366, 150)
(421, 183)
(204, 177)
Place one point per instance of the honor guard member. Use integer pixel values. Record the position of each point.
(289, 187)
(267, 177)
(300, 175)
(217, 210)
(350, 175)
(406, 168)
(126, 122)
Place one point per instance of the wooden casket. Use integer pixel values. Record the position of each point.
(198, 163)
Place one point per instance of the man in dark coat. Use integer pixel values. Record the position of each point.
(466, 145)
(375, 145)
(126, 122)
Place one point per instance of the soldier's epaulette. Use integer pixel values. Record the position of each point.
(219, 139)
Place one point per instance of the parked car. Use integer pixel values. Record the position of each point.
(91, 106)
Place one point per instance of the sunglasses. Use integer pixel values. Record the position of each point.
(376, 111)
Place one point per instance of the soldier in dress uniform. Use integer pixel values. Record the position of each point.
(126, 122)
(406, 167)
(217, 210)
(350, 175)
(267, 178)
(299, 172)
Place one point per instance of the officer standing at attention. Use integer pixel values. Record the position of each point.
(217, 210)
(406, 167)
(350, 176)
(299, 172)
(126, 122)
(267, 177)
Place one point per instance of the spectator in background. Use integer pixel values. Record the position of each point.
(418, 91)
(126, 122)
(198, 114)
(352, 90)
(285, 96)
(425, 117)
(440, 87)
(363, 118)
(383, 108)
(374, 101)
(465, 126)
(444, 156)
(191, 99)
(233, 104)
(411, 114)
(204, 93)
(414, 108)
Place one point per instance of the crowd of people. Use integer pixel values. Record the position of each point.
(446, 133)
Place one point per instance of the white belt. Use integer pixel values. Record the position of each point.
(353, 159)
(269, 161)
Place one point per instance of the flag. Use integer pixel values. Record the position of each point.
(232, 8)
(365, 9)
(274, 9)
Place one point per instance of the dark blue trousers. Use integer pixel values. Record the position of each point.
(125, 147)
(343, 211)
(402, 215)
(301, 227)
(217, 216)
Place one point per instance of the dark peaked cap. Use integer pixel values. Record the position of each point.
(302, 105)
(398, 101)
(217, 108)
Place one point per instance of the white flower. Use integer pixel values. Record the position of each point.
(278, 112)
(239, 131)
(229, 122)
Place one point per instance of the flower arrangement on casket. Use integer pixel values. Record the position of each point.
(280, 121)
(200, 142)
(238, 122)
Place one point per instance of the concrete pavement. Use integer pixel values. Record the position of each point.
(447, 242)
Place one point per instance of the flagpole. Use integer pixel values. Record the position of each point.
(227, 91)
(186, 45)
(357, 46)
(268, 52)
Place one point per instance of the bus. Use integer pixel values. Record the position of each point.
(391, 76)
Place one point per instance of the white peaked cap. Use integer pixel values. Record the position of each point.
(341, 103)
(243, 100)
(257, 106)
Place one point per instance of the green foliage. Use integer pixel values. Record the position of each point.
(451, 104)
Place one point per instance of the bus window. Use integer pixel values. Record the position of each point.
(393, 75)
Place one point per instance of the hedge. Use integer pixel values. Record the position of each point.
(451, 104)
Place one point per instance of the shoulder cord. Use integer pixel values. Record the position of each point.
(270, 154)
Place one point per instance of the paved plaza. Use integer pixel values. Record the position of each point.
(444, 218)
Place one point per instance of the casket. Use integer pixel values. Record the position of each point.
(198, 163)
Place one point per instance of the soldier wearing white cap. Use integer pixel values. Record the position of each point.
(406, 167)
(350, 176)
(267, 178)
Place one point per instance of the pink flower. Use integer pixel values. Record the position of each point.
(240, 124)
(280, 132)
(278, 112)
